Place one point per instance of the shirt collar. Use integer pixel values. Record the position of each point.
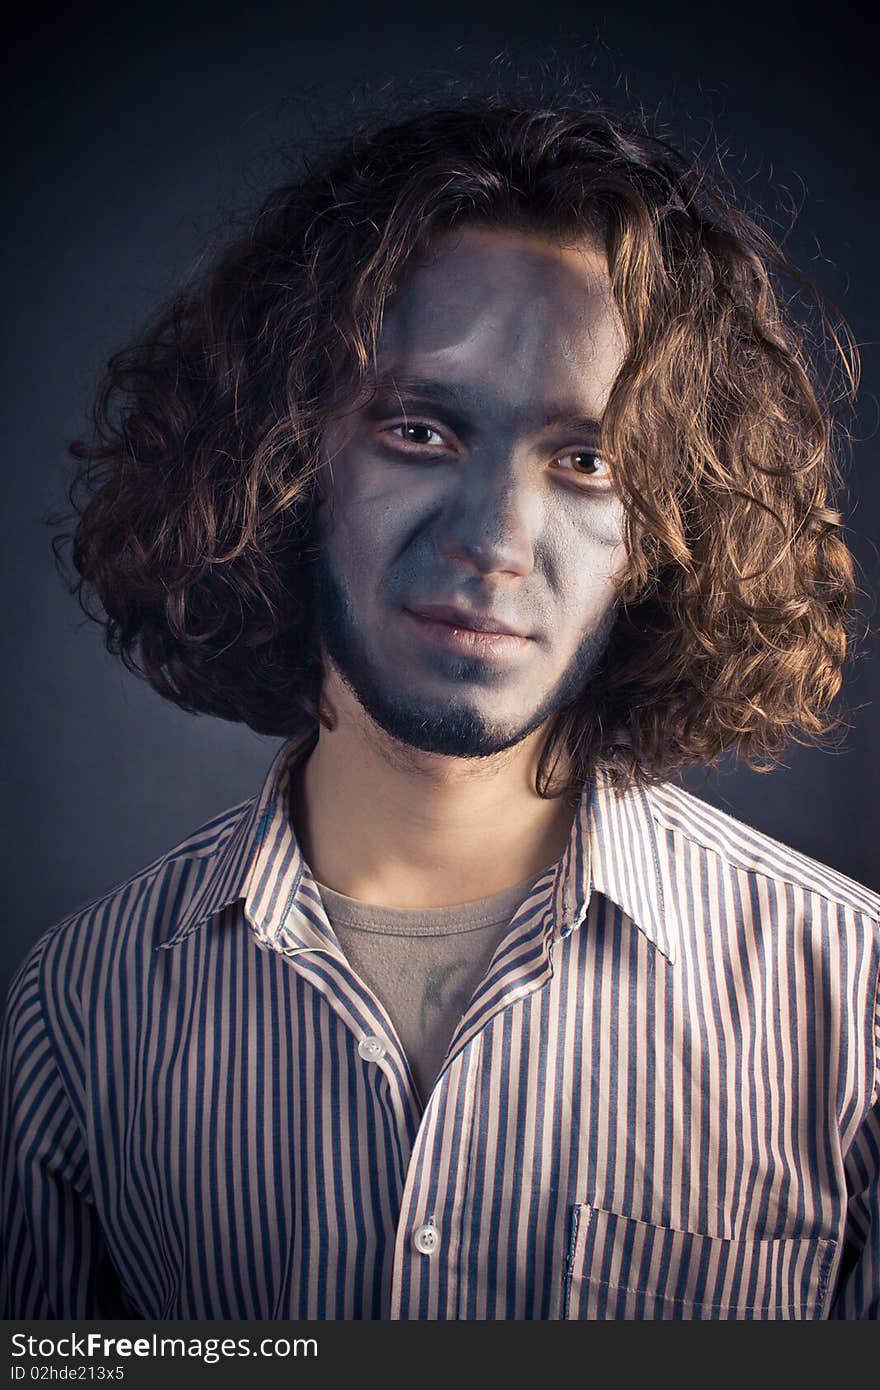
(628, 859)
(613, 849)
(261, 862)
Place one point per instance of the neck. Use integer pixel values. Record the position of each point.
(390, 825)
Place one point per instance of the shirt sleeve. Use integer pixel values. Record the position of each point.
(858, 1286)
(53, 1258)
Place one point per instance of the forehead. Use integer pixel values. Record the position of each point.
(515, 314)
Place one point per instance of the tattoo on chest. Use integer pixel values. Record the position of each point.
(443, 993)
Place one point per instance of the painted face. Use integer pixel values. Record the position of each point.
(472, 533)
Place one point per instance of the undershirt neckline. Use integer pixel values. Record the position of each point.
(432, 921)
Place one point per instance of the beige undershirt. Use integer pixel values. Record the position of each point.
(423, 966)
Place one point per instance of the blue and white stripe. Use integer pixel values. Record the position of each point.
(662, 1101)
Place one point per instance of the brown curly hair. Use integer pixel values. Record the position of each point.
(195, 496)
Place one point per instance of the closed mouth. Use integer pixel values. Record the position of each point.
(462, 620)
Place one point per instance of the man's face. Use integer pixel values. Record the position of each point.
(472, 533)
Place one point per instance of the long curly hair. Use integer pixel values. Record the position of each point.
(195, 495)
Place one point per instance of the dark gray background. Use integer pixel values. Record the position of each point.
(134, 135)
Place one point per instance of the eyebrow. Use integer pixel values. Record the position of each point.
(410, 389)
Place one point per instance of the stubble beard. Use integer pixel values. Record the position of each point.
(452, 729)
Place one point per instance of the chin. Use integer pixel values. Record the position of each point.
(455, 732)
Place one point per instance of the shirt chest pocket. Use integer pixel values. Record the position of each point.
(621, 1268)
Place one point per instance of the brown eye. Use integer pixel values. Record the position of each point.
(417, 434)
(584, 462)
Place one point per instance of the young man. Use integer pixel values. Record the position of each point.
(489, 470)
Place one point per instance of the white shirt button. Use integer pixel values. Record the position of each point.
(426, 1239)
(371, 1049)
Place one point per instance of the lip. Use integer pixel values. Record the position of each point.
(463, 619)
(468, 634)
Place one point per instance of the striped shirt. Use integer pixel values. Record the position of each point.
(661, 1102)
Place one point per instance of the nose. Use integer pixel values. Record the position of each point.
(488, 525)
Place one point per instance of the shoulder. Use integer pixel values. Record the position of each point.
(799, 928)
(131, 917)
(740, 847)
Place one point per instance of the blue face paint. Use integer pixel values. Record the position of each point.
(471, 532)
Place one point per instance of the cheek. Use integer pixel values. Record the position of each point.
(365, 533)
(351, 510)
(589, 556)
(373, 512)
